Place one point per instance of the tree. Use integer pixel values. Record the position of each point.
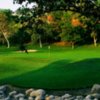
(23, 26)
(91, 25)
(94, 36)
(95, 32)
(72, 34)
(4, 27)
(71, 26)
(85, 7)
(8, 25)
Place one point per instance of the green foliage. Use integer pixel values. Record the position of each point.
(69, 32)
(4, 26)
(36, 27)
(85, 7)
(86, 11)
(20, 37)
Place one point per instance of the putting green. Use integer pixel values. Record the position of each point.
(54, 69)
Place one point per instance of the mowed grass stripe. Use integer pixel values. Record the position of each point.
(63, 69)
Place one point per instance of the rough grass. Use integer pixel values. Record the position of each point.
(58, 68)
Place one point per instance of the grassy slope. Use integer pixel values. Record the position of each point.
(62, 68)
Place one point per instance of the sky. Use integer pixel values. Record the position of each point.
(8, 4)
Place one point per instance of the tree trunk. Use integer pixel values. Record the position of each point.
(8, 44)
(73, 45)
(49, 47)
(95, 41)
(40, 42)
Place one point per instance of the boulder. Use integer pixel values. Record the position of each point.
(51, 97)
(89, 97)
(58, 98)
(1, 94)
(95, 99)
(95, 88)
(96, 95)
(40, 97)
(27, 92)
(7, 98)
(12, 93)
(66, 96)
(39, 92)
(79, 98)
(21, 98)
(3, 87)
(30, 98)
(20, 95)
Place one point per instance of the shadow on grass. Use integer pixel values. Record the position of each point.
(60, 75)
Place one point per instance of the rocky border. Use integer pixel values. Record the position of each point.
(8, 92)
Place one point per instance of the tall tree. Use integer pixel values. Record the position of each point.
(85, 7)
(71, 26)
(4, 27)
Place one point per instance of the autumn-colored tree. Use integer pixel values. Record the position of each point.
(71, 28)
(87, 8)
(50, 19)
(75, 22)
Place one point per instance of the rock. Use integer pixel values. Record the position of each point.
(95, 99)
(89, 97)
(3, 88)
(1, 94)
(66, 96)
(27, 92)
(30, 98)
(8, 98)
(58, 98)
(79, 98)
(51, 97)
(47, 97)
(39, 97)
(12, 93)
(96, 95)
(39, 92)
(19, 96)
(95, 88)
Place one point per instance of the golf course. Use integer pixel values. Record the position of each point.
(56, 68)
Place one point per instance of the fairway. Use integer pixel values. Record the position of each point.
(55, 69)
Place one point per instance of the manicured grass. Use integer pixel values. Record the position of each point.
(59, 68)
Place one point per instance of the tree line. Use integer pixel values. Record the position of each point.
(53, 24)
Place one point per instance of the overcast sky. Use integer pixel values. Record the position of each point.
(8, 4)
